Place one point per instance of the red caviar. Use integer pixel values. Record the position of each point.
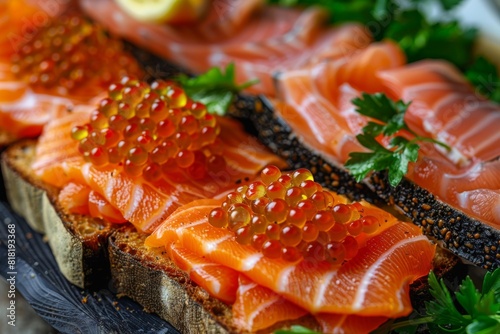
(72, 53)
(151, 131)
(290, 216)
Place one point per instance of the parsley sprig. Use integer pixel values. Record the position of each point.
(400, 152)
(471, 311)
(215, 88)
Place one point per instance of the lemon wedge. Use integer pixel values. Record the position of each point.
(164, 11)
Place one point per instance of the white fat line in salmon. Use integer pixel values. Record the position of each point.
(478, 127)
(246, 287)
(370, 273)
(261, 308)
(135, 201)
(209, 247)
(159, 214)
(318, 298)
(180, 230)
(250, 262)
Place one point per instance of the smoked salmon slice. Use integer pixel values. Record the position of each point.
(220, 281)
(445, 107)
(267, 41)
(317, 99)
(59, 161)
(373, 283)
(346, 324)
(316, 104)
(256, 307)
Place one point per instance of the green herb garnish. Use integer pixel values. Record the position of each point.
(478, 311)
(421, 39)
(214, 88)
(483, 74)
(401, 151)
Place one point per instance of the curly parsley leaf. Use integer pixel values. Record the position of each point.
(380, 107)
(390, 120)
(215, 88)
(443, 308)
(468, 310)
(484, 76)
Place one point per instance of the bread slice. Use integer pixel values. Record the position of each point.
(89, 251)
(84, 247)
(23, 190)
(79, 243)
(149, 277)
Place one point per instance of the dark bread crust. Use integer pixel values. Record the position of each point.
(78, 242)
(24, 191)
(150, 278)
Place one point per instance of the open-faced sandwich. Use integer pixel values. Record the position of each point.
(154, 185)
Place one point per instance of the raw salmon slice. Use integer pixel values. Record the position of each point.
(317, 99)
(256, 307)
(347, 324)
(220, 281)
(74, 198)
(373, 283)
(274, 39)
(26, 117)
(445, 107)
(58, 161)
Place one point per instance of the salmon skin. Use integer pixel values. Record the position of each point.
(373, 284)
(260, 42)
